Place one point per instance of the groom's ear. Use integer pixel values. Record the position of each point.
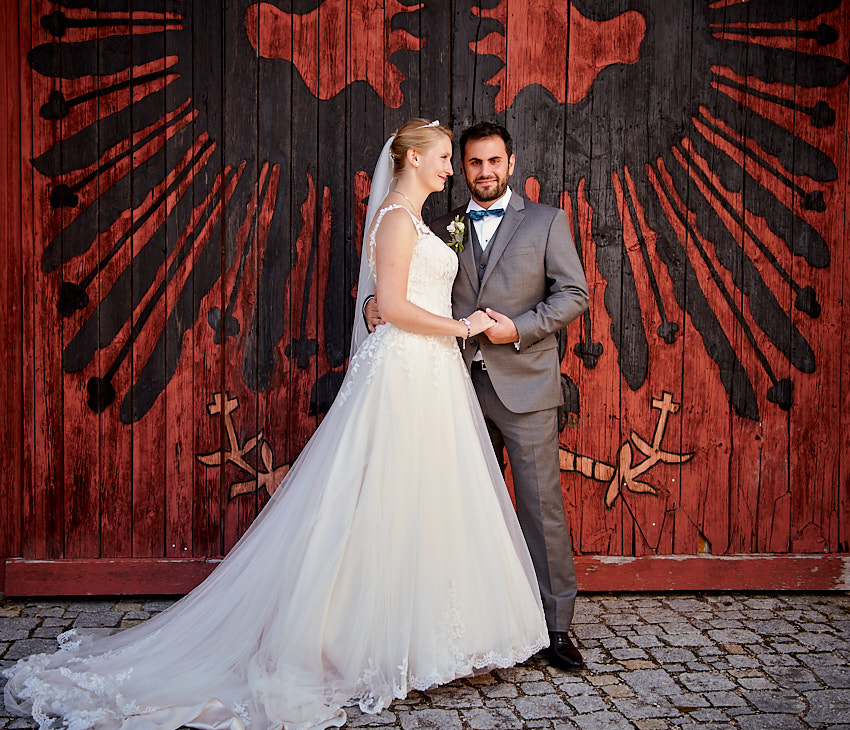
(511, 163)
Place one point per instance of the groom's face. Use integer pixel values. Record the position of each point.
(487, 167)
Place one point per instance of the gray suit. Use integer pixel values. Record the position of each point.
(531, 273)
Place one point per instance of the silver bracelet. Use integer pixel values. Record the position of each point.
(468, 330)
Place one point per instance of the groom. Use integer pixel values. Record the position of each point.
(519, 264)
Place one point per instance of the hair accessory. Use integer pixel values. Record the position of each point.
(435, 123)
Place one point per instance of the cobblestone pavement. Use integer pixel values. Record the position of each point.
(771, 662)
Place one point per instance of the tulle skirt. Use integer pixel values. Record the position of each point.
(389, 559)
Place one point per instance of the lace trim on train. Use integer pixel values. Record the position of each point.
(85, 698)
(372, 697)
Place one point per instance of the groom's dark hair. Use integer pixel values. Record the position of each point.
(482, 130)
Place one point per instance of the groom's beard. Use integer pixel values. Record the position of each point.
(488, 194)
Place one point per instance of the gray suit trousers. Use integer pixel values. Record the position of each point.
(531, 440)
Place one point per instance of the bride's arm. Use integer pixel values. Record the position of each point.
(395, 240)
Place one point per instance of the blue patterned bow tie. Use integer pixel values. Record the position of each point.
(478, 215)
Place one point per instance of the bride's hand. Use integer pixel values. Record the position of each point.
(479, 322)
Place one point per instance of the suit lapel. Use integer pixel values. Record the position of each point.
(513, 217)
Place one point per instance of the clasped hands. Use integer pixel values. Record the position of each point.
(500, 330)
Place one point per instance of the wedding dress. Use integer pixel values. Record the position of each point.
(389, 559)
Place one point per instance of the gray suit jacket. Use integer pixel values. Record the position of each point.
(533, 276)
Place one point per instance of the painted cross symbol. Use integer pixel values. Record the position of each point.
(625, 474)
(269, 479)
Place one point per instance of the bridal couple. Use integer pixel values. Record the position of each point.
(390, 558)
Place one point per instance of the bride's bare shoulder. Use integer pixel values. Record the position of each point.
(394, 222)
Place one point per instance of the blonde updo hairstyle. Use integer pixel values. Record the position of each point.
(414, 134)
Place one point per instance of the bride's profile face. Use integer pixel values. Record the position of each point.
(435, 164)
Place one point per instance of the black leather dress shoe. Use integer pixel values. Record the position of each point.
(562, 652)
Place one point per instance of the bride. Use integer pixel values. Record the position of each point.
(389, 559)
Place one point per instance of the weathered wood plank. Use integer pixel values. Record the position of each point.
(11, 271)
(149, 319)
(44, 500)
(179, 415)
(207, 69)
(81, 437)
(815, 452)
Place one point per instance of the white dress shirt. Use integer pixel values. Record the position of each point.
(486, 228)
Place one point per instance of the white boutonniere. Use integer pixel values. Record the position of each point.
(457, 233)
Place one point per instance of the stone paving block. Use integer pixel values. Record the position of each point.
(788, 647)
(637, 709)
(769, 722)
(687, 702)
(137, 615)
(711, 715)
(709, 651)
(598, 680)
(578, 688)
(20, 723)
(50, 611)
(62, 622)
(665, 655)
(500, 690)
(520, 674)
(492, 719)
(646, 641)
(25, 647)
(591, 631)
(706, 681)
(821, 641)
(537, 688)
(454, 695)
(156, 606)
(686, 605)
(563, 725)
(602, 721)
(632, 653)
(430, 719)
(685, 639)
(12, 628)
(772, 627)
(832, 659)
(47, 632)
(756, 683)
(776, 702)
(621, 619)
(828, 705)
(834, 676)
(587, 703)
(96, 619)
(635, 664)
(603, 667)
(535, 708)
(651, 683)
(779, 660)
(785, 676)
(725, 699)
(618, 690)
(734, 636)
(742, 661)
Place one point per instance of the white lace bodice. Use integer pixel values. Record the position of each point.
(432, 268)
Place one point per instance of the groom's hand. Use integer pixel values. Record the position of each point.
(372, 314)
(504, 331)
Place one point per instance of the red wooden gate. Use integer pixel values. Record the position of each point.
(182, 205)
